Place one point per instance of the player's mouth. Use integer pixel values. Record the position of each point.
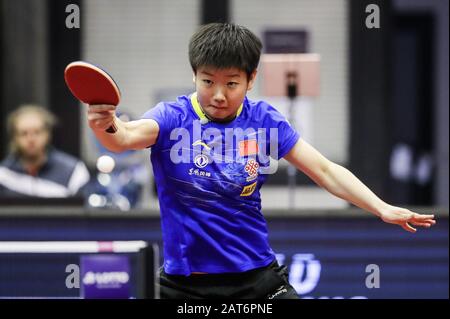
(218, 107)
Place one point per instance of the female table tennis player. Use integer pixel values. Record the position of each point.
(214, 234)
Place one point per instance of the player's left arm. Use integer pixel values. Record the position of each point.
(340, 182)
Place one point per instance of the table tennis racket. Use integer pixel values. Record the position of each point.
(92, 85)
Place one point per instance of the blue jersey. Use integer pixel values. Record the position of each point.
(208, 177)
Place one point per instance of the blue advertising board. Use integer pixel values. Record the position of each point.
(332, 257)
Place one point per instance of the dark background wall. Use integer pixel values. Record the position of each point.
(369, 94)
(36, 47)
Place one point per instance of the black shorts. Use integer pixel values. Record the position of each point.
(270, 282)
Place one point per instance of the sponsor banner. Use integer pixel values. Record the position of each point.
(105, 276)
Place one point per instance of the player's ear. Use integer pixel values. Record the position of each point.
(251, 80)
(193, 77)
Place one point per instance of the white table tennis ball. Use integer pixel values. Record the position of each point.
(105, 164)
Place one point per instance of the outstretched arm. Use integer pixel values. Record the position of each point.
(342, 183)
(131, 135)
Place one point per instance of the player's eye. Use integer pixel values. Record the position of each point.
(232, 84)
(208, 82)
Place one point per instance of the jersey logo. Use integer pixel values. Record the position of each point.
(198, 172)
(249, 189)
(251, 168)
(201, 160)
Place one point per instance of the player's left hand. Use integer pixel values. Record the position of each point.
(405, 218)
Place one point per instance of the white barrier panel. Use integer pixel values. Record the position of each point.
(71, 246)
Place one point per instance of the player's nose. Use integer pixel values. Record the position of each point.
(219, 97)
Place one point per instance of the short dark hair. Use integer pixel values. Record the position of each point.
(225, 45)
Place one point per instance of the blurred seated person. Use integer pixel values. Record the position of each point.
(33, 167)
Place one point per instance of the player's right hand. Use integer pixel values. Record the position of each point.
(101, 116)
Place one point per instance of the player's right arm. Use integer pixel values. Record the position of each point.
(133, 135)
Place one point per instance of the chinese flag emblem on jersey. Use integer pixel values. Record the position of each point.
(249, 147)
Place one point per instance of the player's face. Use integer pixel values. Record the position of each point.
(31, 136)
(220, 92)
